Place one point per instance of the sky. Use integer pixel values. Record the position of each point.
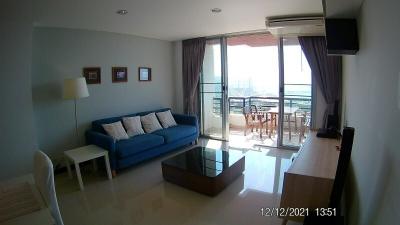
(255, 70)
(258, 68)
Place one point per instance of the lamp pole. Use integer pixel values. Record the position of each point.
(75, 88)
(76, 123)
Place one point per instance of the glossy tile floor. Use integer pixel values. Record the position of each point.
(237, 137)
(139, 195)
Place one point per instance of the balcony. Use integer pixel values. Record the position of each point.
(246, 132)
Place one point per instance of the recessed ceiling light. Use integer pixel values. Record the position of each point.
(122, 12)
(216, 10)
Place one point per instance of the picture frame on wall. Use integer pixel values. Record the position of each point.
(119, 74)
(92, 75)
(144, 74)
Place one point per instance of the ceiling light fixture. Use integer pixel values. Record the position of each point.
(122, 12)
(216, 10)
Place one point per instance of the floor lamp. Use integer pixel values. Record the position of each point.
(75, 88)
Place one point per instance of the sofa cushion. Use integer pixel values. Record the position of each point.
(153, 111)
(175, 133)
(97, 124)
(133, 125)
(116, 130)
(166, 119)
(150, 123)
(138, 144)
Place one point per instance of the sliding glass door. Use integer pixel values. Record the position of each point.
(253, 72)
(297, 94)
(268, 97)
(213, 91)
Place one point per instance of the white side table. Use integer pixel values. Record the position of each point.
(84, 154)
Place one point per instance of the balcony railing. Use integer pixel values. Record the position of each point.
(239, 105)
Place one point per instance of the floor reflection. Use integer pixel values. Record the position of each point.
(265, 166)
(139, 195)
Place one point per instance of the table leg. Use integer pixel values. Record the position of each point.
(108, 166)
(68, 167)
(78, 174)
(94, 164)
(290, 130)
(272, 125)
(260, 124)
(246, 125)
(266, 129)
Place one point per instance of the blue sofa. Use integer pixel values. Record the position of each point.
(125, 153)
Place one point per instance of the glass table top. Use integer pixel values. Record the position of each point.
(204, 161)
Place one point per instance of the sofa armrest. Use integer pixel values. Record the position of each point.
(186, 119)
(105, 142)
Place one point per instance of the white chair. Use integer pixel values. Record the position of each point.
(44, 182)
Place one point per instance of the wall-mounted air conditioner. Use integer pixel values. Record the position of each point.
(296, 25)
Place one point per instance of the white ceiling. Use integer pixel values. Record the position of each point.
(342, 8)
(167, 19)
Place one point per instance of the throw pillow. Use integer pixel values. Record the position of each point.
(116, 130)
(166, 119)
(150, 123)
(133, 126)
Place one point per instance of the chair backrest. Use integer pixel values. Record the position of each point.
(253, 109)
(343, 164)
(44, 182)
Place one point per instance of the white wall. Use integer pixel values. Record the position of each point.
(178, 77)
(17, 135)
(62, 53)
(371, 87)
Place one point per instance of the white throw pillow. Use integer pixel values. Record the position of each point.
(133, 126)
(150, 123)
(166, 119)
(116, 130)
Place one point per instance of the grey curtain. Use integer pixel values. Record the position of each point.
(192, 61)
(326, 70)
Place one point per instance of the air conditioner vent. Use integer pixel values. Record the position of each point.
(296, 25)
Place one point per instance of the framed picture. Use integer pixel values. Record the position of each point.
(119, 74)
(92, 75)
(144, 74)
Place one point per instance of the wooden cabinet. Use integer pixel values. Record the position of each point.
(309, 180)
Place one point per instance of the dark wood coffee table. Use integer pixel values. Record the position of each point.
(207, 171)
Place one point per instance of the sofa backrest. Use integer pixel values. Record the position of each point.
(97, 124)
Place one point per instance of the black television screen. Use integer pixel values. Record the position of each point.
(341, 36)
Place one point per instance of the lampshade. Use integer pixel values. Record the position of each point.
(75, 88)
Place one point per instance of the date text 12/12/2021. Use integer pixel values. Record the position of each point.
(285, 212)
